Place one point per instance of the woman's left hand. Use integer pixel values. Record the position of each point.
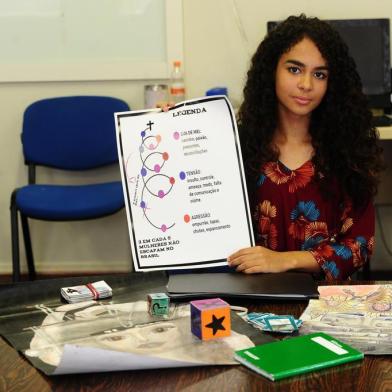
(258, 259)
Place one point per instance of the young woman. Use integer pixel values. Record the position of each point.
(310, 154)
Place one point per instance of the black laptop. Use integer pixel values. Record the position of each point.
(285, 285)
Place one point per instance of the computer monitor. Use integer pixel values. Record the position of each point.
(368, 41)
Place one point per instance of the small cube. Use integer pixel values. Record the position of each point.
(210, 318)
(158, 304)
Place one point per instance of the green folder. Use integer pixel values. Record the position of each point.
(301, 354)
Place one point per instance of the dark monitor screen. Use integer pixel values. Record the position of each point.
(368, 41)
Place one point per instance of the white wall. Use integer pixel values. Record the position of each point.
(219, 37)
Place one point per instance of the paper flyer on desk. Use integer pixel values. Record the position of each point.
(184, 185)
(359, 315)
(105, 336)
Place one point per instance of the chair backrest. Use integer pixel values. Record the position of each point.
(72, 133)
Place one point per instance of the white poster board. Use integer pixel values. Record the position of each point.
(184, 185)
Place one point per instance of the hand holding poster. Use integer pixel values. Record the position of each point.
(184, 186)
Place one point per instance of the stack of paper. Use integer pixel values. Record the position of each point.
(359, 315)
(96, 290)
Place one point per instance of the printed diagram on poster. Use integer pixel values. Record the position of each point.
(184, 185)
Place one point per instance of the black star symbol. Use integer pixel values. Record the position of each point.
(216, 324)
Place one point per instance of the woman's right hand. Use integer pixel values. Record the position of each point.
(165, 106)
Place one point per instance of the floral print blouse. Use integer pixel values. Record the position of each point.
(291, 214)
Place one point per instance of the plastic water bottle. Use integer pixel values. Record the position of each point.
(177, 86)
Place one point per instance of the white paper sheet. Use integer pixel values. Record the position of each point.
(96, 337)
(184, 185)
(78, 359)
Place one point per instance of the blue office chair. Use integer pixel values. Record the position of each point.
(69, 133)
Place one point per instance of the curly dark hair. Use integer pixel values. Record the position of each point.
(343, 138)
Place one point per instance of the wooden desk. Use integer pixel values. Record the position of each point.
(372, 374)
